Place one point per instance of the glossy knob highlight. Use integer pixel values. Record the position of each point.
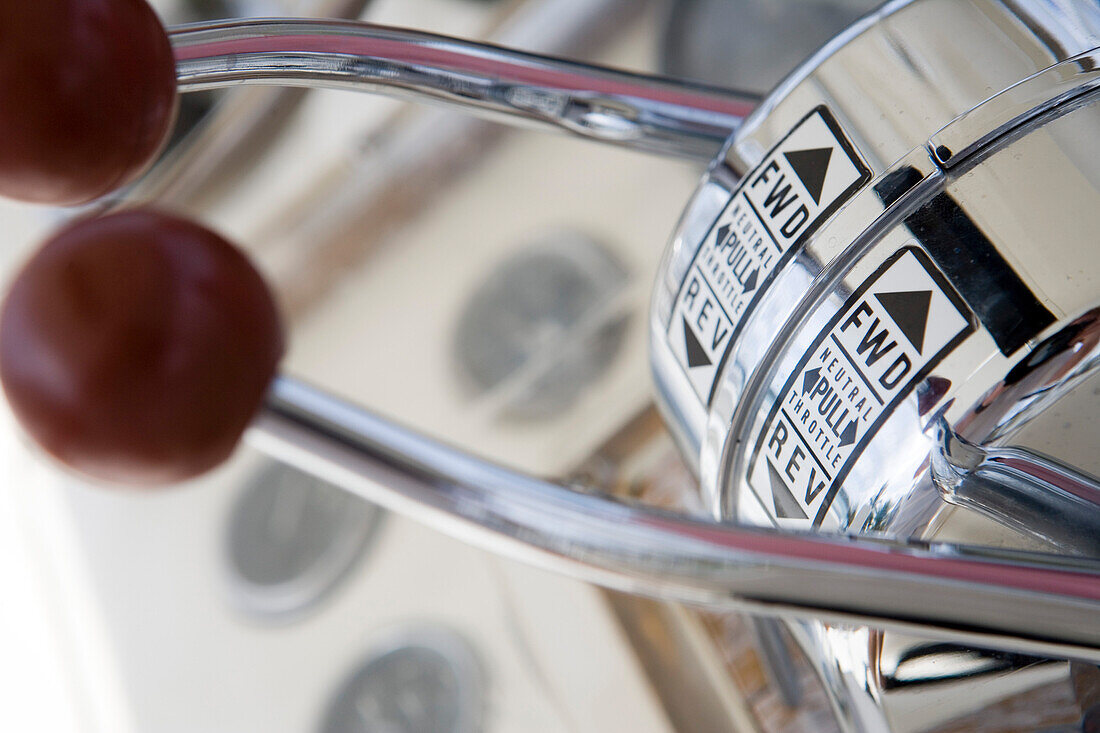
(136, 347)
(88, 89)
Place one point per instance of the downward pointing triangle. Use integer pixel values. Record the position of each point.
(697, 355)
(786, 506)
(811, 166)
(910, 311)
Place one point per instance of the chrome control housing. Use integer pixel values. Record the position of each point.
(881, 305)
(958, 142)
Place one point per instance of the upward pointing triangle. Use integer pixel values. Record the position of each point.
(811, 166)
(697, 355)
(909, 309)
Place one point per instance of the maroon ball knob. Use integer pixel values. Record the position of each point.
(88, 95)
(136, 347)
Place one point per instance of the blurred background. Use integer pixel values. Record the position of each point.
(486, 286)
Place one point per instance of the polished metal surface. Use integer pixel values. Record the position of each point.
(976, 123)
(984, 596)
(1029, 492)
(911, 672)
(888, 124)
(218, 135)
(752, 44)
(632, 110)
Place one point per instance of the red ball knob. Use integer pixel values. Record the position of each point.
(136, 347)
(88, 95)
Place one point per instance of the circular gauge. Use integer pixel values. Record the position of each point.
(293, 538)
(543, 323)
(422, 681)
(750, 44)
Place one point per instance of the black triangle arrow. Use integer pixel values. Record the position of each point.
(809, 380)
(723, 231)
(910, 311)
(849, 435)
(811, 166)
(697, 355)
(786, 506)
(750, 281)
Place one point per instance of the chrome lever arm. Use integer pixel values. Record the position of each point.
(647, 113)
(1023, 490)
(1008, 600)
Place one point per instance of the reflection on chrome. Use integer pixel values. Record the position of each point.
(983, 596)
(640, 112)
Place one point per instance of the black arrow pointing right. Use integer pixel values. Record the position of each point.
(750, 281)
(849, 435)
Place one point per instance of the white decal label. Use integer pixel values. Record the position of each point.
(800, 183)
(898, 324)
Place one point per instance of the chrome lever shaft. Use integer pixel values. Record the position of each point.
(647, 113)
(1032, 603)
